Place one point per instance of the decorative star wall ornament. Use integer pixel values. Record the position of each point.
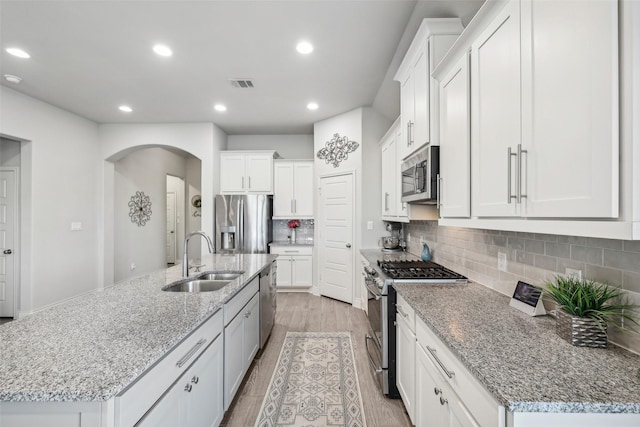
(337, 150)
(140, 208)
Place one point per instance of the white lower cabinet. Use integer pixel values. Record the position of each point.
(195, 400)
(295, 266)
(447, 394)
(241, 342)
(406, 355)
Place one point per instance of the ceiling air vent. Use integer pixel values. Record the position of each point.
(241, 83)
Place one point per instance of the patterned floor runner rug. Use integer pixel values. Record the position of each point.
(315, 383)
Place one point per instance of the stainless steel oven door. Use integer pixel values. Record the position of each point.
(374, 309)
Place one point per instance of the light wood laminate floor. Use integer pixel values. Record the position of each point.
(307, 313)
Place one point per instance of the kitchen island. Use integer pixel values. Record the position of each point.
(525, 366)
(93, 347)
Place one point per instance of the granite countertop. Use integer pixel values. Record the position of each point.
(92, 347)
(520, 359)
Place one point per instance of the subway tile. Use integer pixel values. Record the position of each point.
(558, 250)
(631, 281)
(632, 245)
(563, 264)
(534, 246)
(524, 257)
(545, 262)
(629, 261)
(572, 240)
(525, 235)
(497, 240)
(585, 254)
(537, 275)
(547, 237)
(604, 243)
(607, 275)
(515, 268)
(515, 243)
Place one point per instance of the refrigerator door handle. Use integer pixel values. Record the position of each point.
(241, 222)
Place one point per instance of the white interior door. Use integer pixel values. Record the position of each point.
(171, 228)
(336, 237)
(8, 199)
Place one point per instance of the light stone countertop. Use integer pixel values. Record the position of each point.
(520, 359)
(92, 347)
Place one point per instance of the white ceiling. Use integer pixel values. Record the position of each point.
(89, 57)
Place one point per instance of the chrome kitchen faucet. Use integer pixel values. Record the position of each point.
(185, 259)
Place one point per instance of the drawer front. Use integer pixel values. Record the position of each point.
(404, 310)
(233, 307)
(480, 403)
(137, 399)
(292, 250)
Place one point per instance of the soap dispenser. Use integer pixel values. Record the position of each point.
(426, 253)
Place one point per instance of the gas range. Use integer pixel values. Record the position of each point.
(419, 272)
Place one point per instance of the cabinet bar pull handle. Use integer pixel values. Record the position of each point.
(509, 155)
(438, 190)
(292, 206)
(519, 195)
(243, 182)
(249, 181)
(180, 363)
(295, 206)
(386, 202)
(449, 373)
(401, 311)
(411, 133)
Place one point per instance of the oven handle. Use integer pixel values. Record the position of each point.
(377, 369)
(376, 295)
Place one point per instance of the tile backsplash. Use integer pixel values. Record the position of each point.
(533, 258)
(282, 232)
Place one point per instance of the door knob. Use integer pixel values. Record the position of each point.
(7, 252)
(348, 245)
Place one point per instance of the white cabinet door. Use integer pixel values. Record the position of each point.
(251, 340)
(405, 356)
(421, 77)
(233, 360)
(204, 405)
(168, 411)
(495, 94)
(407, 115)
(302, 271)
(283, 192)
(429, 411)
(259, 173)
(455, 142)
(570, 108)
(232, 173)
(303, 189)
(284, 271)
(389, 177)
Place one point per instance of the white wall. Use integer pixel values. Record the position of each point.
(145, 246)
(193, 223)
(59, 185)
(287, 146)
(202, 140)
(366, 127)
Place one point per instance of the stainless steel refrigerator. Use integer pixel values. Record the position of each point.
(243, 224)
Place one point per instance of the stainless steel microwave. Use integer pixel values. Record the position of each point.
(420, 181)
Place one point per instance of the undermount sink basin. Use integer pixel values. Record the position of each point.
(198, 285)
(219, 276)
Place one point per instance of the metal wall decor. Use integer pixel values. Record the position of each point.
(337, 150)
(140, 208)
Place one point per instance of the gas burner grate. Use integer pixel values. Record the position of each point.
(418, 270)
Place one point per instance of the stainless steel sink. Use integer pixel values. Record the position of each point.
(219, 276)
(195, 286)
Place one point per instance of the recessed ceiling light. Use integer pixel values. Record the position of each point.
(18, 52)
(12, 79)
(220, 107)
(312, 106)
(162, 50)
(304, 47)
(125, 109)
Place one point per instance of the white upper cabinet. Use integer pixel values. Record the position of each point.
(495, 134)
(293, 189)
(246, 172)
(455, 144)
(545, 111)
(392, 207)
(419, 98)
(570, 108)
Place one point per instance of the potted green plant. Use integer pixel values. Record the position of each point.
(585, 307)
